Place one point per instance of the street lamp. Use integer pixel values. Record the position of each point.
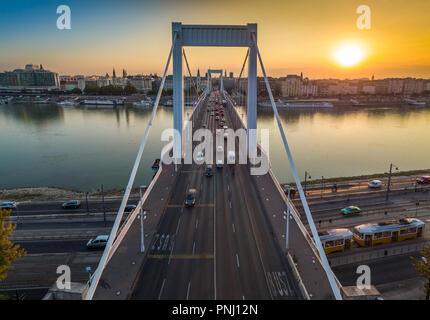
(389, 180)
(428, 289)
(307, 175)
(322, 186)
(287, 220)
(142, 216)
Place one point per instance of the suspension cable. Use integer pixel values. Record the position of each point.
(189, 72)
(315, 235)
(96, 276)
(241, 71)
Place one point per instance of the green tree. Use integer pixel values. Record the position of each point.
(8, 250)
(129, 89)
(422, 265)
(75, 91)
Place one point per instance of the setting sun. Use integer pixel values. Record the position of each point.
(349, 55)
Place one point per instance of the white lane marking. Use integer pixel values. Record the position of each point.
(172, 245)
(161, 242)
(155, 242)
(234, 229)
(214, 238)
(194, 247)
(188, 290)
(230, 204)
(243, 297)
(197, 223)
(161, 290)
(177, 228)
(228, 187)
(237, 261)
(166, 242)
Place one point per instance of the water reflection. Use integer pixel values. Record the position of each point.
(32, 114)
(83, 147)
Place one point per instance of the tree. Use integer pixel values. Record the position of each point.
(8, 250)
(129, 89)
(423, 267)
(75, 90)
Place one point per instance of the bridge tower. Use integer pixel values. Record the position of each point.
(208, 85)
(213, 36)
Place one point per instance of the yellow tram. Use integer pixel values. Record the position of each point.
(370, 234)
(336, 240)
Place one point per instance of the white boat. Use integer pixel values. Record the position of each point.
(414, 102)
(281, 104)
(46, 101)
(169, 103)
(67, 103)
(144, 103)
(99, 103)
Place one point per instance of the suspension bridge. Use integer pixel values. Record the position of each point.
(243, 239)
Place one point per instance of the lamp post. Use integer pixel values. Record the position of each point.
(306, 178)
(322, 187)
(142, 235)
(103, 207)
(86, 200)
(287, 222)
(389, 180)
(428, 289)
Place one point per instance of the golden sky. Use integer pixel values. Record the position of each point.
(293, 36)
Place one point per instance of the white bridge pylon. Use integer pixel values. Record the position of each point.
(208, 86)
(212, 36)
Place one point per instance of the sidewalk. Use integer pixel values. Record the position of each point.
(116, 283)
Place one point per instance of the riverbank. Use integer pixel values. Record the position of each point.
(368, 177)
(51, 193)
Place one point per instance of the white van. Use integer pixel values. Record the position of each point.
(231, 157)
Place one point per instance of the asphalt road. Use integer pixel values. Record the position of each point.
(386, 270)
(222, 248)
(54, 246)
(54, 207)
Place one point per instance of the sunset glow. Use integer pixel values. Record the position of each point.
(349, 55)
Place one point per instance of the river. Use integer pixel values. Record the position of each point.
(78, 148)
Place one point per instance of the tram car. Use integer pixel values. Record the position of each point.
(336, 240)
(370, 234)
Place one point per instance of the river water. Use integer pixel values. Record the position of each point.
(78, 148)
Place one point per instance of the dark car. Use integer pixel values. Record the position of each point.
(423, 179)
(190, 200)
(129, 208)
(209, 171)
(72, 204)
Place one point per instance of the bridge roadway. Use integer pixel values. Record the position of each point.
(214, 250)
(230, 245)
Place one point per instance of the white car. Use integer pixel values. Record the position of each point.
(199, 156)
(225, 127)
(218, 131)
(8, 205)
(220, 149)
(375, 184)
(219, 164)
(98, 243)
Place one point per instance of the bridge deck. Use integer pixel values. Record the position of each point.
(229, 246)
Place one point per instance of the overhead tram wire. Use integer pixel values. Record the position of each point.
(107, 252)
(316, 239)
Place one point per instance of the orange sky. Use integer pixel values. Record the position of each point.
(293, 36)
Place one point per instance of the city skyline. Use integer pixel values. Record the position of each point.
(131, 38)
